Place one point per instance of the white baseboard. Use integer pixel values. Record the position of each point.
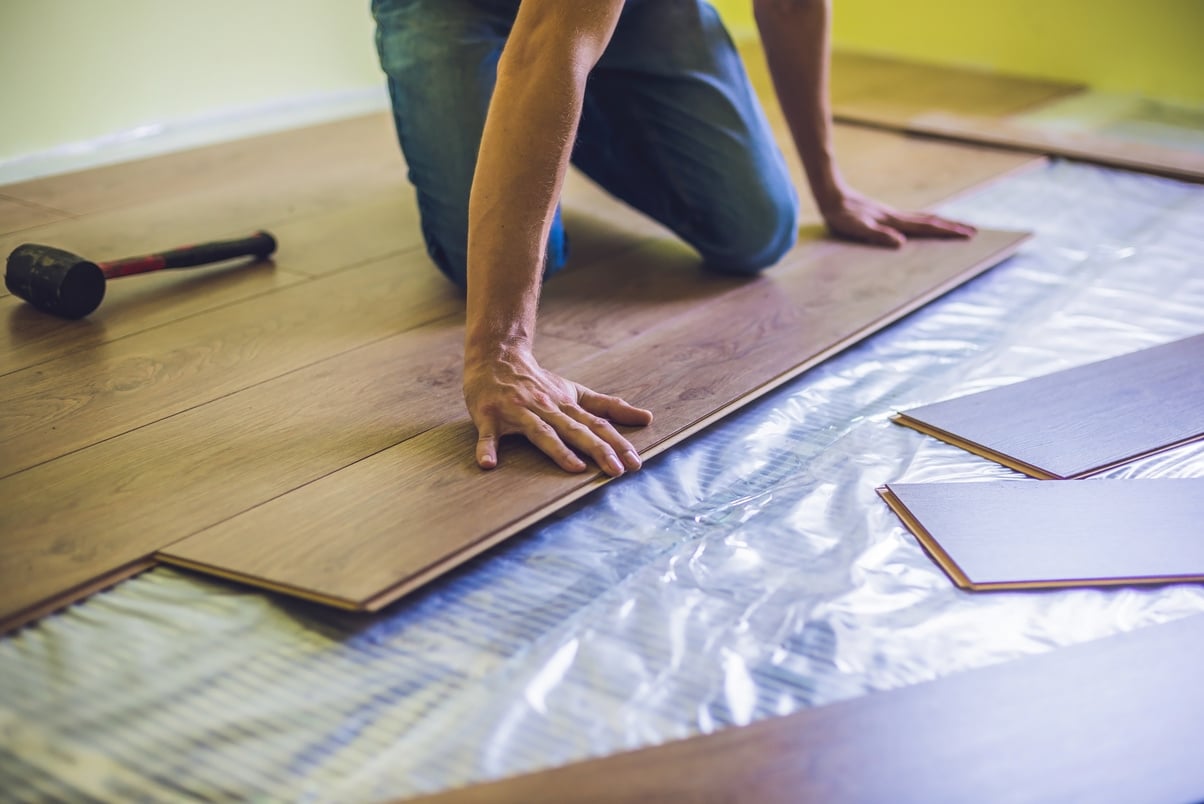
(176, 135)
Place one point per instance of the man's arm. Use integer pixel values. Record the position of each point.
(524, 154)
(795, 35)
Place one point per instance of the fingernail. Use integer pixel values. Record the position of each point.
(613, 466)
(632, 460)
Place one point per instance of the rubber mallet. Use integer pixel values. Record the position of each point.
(67, 285)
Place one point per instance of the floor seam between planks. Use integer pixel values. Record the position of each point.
(235, 392)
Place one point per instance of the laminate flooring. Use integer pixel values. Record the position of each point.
(1109, 721)
(1083, 420)
(192, 397)
(980, 107)
(1029, 535)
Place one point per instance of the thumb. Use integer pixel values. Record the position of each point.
(486, 446)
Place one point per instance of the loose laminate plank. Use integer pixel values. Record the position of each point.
(1114, 720)
(363, 536)
(1080, 421)
(1030, 535)
(90, 395)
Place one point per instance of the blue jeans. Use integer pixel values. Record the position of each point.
(670, 125)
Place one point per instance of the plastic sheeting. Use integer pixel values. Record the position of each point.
(747, 573)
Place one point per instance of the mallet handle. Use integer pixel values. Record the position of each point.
(258, 245)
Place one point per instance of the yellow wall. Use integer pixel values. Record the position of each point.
(73, 70)
(1153, 48)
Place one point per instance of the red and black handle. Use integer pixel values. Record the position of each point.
(259, 245)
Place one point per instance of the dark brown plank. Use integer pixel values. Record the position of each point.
(416, 510)
(1080, 421)
(1113, 720)
(1033, 535)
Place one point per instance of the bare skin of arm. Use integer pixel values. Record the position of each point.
(521, 166)
(795, 36)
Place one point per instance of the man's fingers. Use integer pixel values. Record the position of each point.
(486, 447)
(613, 408)
(614, 446)
(883, 235)
(548, 441)
(931, 226)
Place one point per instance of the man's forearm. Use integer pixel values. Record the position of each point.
(795, 36)
(523, 158)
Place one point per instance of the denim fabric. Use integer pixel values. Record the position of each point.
(670, 125)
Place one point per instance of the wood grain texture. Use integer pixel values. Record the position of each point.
(266, 161)
(411, 512)
(973, 106)
(315, 244)
(17, 215)
(1083, 420)
(896, 90)
(90, 395)
(90, 513)
(1032, 535)
(1086, 146)
(1113, 720)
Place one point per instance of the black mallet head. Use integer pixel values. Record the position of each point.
(54, 280)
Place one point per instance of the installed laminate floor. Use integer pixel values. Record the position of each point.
(1008, 111)
(190, 398)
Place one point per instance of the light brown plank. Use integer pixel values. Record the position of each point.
(418, 509)
(1086, 146)
(29, 337)
(90, 395)
(16, 216)
(1109, 721)
(1083, 420)
(974, 106)
(71, 522)
(1011, 534)
(895, 90)
(359, 231)
(267, 160)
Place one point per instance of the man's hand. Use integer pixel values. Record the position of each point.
(512, 393)
(856, 217)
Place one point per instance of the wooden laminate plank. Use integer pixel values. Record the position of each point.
(1113, 720)
(17, 215)
(1086, 146)
(89, 395)
(1030, 535)
(29, 337)
(416, 510)
(893, 91)
(973, 106)
(316, 244)
(73, 522)
(267, 160)
(1080, 421)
